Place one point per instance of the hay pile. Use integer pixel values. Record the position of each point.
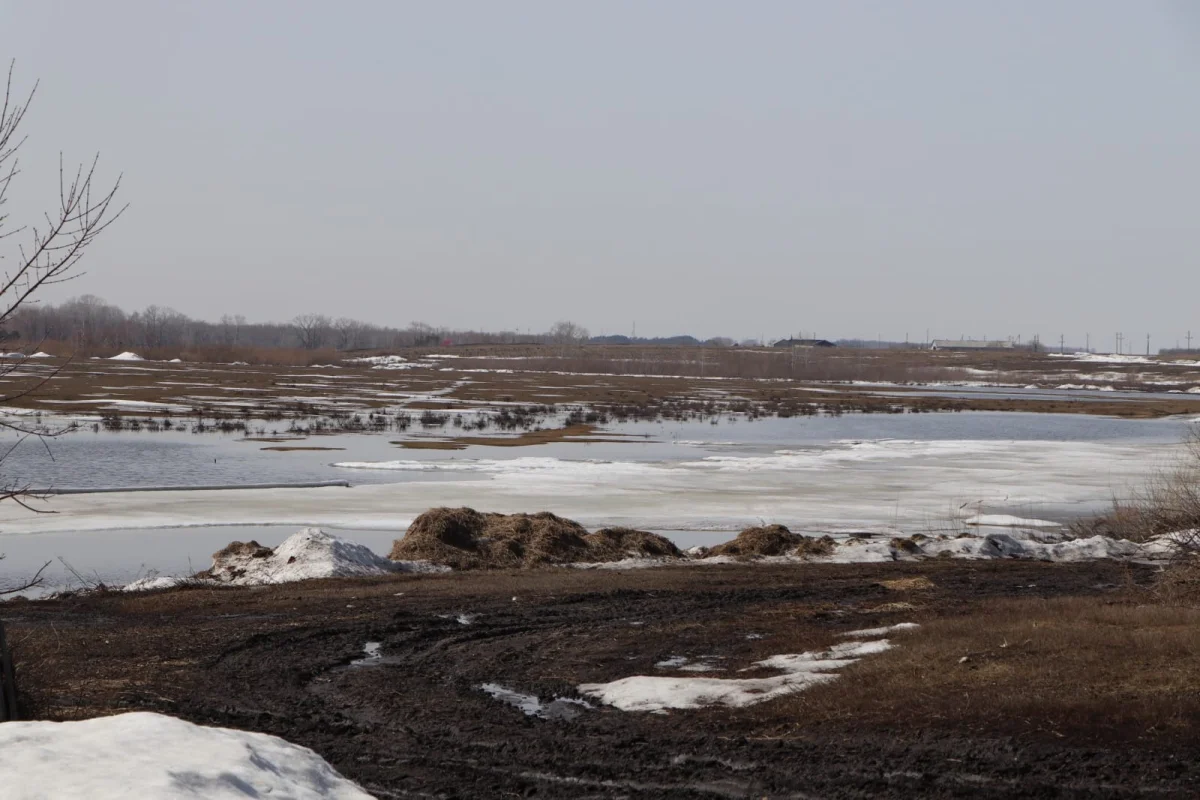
(772, 540)
(463, 538)
(614, 544)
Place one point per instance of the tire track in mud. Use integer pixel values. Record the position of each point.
(417, 724)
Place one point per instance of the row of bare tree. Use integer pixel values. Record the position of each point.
(89, 322)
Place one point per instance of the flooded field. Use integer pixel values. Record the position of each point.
(696, 481)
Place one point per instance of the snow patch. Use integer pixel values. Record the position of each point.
(127, 356)
(798, 671)
(153, 755)
(310, 553)
(872, 633)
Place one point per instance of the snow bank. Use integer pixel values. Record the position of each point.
(798, 671)
(152, 582)
(127, 356)
(310, 553)
(1032, 545)
(152, 755)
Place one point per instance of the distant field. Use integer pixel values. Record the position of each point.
(624, 382)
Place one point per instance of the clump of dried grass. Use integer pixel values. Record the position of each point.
(772, 540)
(913, 584)
(1166, 508)
(463, 538)
(614, 544)
(1169, 503)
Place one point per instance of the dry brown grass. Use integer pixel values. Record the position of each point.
(464, 538)
(771, 540)
(1168, 503)
(1083, 667)
(913, 584)
(614, 544)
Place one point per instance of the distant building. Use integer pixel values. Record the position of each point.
(977, 344)
(804, 343)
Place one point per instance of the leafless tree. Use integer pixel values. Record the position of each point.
(46, 253)
(566, 332)
(350, 333)
(312, 330)
(231, 328)
(159, 324)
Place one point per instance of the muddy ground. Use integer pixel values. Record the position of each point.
(415, 723)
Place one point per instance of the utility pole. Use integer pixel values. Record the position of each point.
(1088, 347)
(1119, 337)
(1189, 341)
(1062, 343)
(1147, 344)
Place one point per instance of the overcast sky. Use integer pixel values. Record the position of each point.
(718, 168)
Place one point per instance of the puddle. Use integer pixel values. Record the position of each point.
(560, 708)
(374, 655)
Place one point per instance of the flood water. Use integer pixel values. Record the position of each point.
(697, 482)
(104, 459)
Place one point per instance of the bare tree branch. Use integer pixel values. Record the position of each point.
(50, 253)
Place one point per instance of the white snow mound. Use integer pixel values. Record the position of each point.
(310, 553)
(152, 755)
(127, 356)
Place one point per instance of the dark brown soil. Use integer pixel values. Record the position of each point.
(279, 660)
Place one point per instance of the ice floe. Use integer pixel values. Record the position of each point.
(1008, 521)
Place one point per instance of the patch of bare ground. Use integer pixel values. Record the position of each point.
(910, 722)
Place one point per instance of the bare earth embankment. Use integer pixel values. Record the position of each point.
(1023, 679)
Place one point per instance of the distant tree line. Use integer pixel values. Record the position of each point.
(90, 323)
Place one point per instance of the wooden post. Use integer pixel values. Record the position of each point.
(8, 681)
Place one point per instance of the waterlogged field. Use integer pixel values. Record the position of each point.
(697, 482)
(696, 444)
(640, 383)
(926, 649)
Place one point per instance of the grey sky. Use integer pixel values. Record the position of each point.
(848, 168)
